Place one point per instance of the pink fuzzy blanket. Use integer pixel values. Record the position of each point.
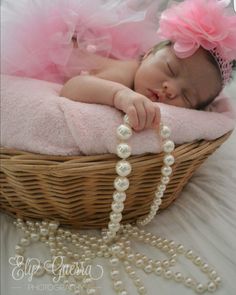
(34, 118)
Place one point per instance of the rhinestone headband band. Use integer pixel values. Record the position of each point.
(225, 66)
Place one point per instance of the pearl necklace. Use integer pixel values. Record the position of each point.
(115, 241)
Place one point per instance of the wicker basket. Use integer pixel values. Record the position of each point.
(77, 191)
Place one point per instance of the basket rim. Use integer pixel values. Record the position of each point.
(10, 152)
(11, 157)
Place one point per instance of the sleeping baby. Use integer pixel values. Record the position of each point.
(189, 68)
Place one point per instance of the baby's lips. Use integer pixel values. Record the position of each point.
(153, 95)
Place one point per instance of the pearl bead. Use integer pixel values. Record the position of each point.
(76, 256)
(126, 119)
(157, 202)
(148, 268)
(130, 257)
(158, 270)
(123, 150)
(113, 226)
(171, 244)
(53, 225)
(180, 249)
(118, 285)
(166, 170)
(188, 282)
(117, 207)
(165, 263)
(205, 267)
(168, 274)
(29, 223)
(154, 207)
(128, 269)
(19, 249)
(213, 274)
(200, 288)
(197, 260)
(139, 262)
(115, 248)
(115, 274)
(142, 290)
(162, 187)
(115, 217)
(67, 233)
(132, 274)
(123, 168)
(172, 262)
(44, 231)
(169, 160)
(121, 183)
(124, 132)
(137, 282)
(24, 242)
(217, 280)
(165, 179)
(168, 146)
(153, 243)
(165, 248)
(165, 131)
(60, 231)
(159, 194)
(178, 277)
(189, 254)
(119, 196)
(211, 287)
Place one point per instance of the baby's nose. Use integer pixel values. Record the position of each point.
(170, 90)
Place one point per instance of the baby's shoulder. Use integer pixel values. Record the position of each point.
(118, 71)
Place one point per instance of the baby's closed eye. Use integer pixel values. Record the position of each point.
(170, 69)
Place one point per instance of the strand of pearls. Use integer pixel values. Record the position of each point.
(115, 241)
(123, 169)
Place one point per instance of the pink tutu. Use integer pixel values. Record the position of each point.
(37, 35)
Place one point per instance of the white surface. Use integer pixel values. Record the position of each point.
(203, 218)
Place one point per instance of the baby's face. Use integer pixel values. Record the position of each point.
(189, 82)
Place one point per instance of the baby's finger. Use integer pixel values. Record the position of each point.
(133, 117)
(157, 118)
(142, 115)
(150, 113)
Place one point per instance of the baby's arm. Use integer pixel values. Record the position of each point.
(142, 112)
(91, 89)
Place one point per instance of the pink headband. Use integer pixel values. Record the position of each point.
(206, 23)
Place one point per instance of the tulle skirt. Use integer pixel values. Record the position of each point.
(37, 35)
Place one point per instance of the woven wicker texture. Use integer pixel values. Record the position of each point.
(77, 191)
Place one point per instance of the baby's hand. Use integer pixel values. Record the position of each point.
(142, 112)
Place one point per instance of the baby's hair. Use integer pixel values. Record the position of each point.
(209, 57)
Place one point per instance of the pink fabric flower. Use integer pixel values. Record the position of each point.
(195, 23)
